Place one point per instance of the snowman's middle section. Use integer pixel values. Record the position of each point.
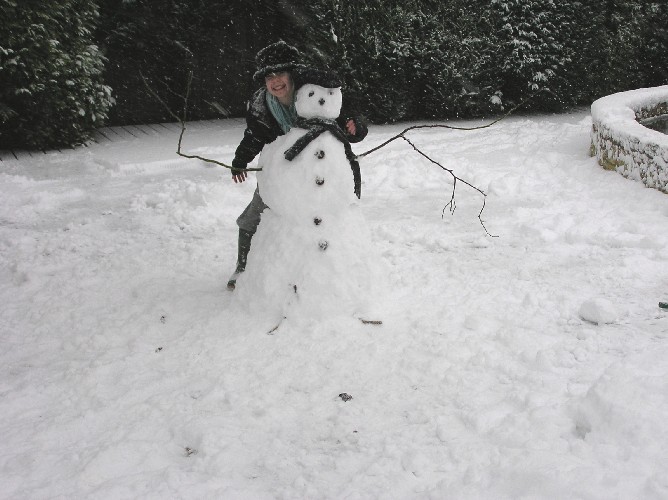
(316, 186)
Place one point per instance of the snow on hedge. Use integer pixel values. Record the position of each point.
(621, 143)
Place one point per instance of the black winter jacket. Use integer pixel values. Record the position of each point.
(262, 128)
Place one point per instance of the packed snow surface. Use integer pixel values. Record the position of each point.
(127, 372)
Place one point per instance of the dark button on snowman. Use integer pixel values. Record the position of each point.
(312, 254)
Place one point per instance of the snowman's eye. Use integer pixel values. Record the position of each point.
(310, 94)
(331, 92)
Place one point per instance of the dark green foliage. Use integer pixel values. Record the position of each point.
(411, 59)
(623, 46)
(425, 59)
(610, 49)
(654, 49)
(532, 53)
(51, 91)
(430, 59)
(166, 39)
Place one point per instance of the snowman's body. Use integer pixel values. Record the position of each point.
(312, 251)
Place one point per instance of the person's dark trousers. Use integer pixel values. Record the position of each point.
(247, 222)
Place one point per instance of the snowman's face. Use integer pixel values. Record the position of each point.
(314, 101)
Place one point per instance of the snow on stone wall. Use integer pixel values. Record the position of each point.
(621, 143)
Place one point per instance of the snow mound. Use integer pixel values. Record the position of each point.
(599, 311)
(624, 411)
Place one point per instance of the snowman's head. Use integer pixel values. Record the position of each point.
(314, 101)
(318, 94)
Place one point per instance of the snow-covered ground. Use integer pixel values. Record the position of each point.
(126, 372)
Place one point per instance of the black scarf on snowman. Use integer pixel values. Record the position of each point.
(317, 126)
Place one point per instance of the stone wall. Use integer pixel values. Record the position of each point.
(621, 143)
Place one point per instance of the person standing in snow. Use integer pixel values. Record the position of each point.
(271, 113)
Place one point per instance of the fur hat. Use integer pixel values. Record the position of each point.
(276, 58)
(323, 78)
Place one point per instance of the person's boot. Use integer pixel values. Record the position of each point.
(244, 247)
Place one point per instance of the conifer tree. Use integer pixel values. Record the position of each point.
(407, 61)
(654, 45)
(532, 55)
(612, 50)
(51, 90)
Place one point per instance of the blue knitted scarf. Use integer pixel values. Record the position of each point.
(285, 115)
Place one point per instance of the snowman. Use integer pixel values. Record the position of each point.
(312, 254)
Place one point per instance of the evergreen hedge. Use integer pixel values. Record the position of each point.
(425, 59)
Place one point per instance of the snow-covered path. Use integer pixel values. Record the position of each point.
(125, 373)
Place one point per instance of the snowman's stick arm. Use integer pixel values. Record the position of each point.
(451, 127)
(452, 205)
(208, 160)
(415, 127)
(450, 171)
(182, 121)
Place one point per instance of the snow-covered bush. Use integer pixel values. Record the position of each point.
(405, 61)
(52, 92)
(621, 143)
(533, 53)
(399, 60)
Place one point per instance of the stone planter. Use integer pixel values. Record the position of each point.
(620, 142)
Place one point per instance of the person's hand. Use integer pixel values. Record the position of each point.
(239, 176)
(350, 127)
